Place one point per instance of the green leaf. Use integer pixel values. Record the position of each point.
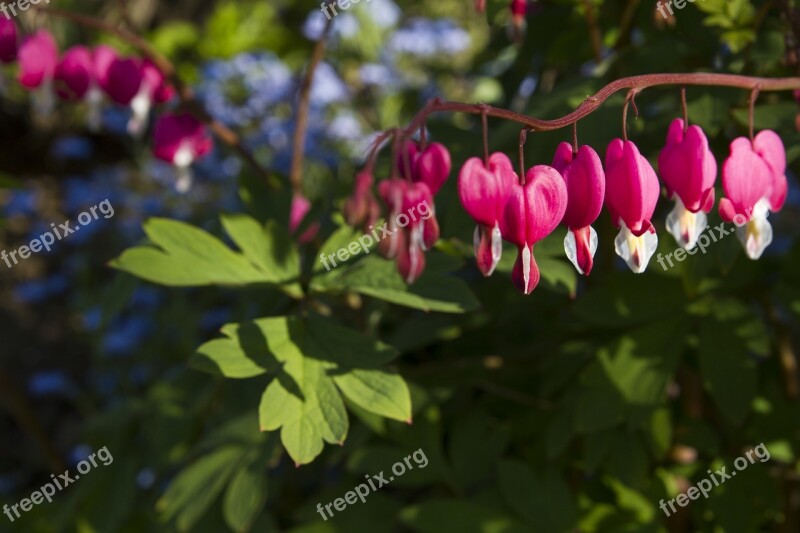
(246, 495)
(312, 361)
(641, 362)
(378, 277)
(267, 247)
(191, 493)
(543, 500)
(462, 516)
(227, 358)
(558, 275)
(728, 371)
(186, 256)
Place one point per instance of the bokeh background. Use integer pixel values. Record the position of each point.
(574, 409)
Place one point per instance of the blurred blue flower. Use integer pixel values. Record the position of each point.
(345, 127)
(125, 335)
(72, 147)
(51, 383)
(385, 13)
(328, 87)
(21, 203)
(429, 38)
(79, 453)
(145, 478)
(92, 319)
(37, 291)
(241, 90)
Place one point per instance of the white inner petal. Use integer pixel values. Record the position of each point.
(476, 239)
(684, 225)
(756, 235)
(184, 156)
(635, 251)
(184, 179)
(94, 101)
(571, 247)
(497, 246)
(526, 266)
(140, 105)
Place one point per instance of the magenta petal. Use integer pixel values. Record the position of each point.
(172, 133)
(769, 146)
(433, 166)
(525, 274)
(74, 73)
(535, 209)
(392, 192)
(410, 259)
(9, 40)
(746, 177)
(632, 186)
(37, 58)
(122, 80)
(586, 184)
(483, 192)
(687, 165)
(727, 210)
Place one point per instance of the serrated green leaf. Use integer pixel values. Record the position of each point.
(267, 247)
(191, 493)
(245, 495)
(377, 277)
(185, 256)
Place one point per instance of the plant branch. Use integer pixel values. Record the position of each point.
(185, 93)
(299, 144)
(592, 103)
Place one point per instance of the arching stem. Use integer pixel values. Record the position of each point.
(523, 137)
(685, 110)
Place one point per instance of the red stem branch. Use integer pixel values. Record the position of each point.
(636, 83)
(299, 143)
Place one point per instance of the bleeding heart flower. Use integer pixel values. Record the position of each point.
(153, 89)
(181, 140)
(361, 209)
(392, 192)
(689, 171)
(74, 74)
(9, 41)
(299, 210)
(532, 213)
(420, 218)
(631, 197)
(754, 181)
(431, 166)
(410, 257)
(119, 78)
(484, 192)
(38, 57)
(586, 189)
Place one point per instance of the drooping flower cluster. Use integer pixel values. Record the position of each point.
(100, 75)
(411, 223)
(523, 211)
